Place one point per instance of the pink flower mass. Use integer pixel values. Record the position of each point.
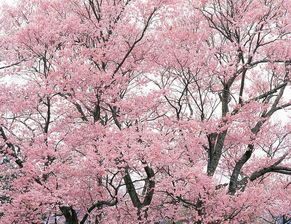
(145, 111)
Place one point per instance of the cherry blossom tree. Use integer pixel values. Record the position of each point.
(127, 111)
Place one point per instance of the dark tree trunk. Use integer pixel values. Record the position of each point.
(70, 215)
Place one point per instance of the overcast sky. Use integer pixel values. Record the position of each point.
(7, 1)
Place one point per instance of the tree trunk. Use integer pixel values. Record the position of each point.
(70, 215)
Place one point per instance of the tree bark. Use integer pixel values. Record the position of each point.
(70, 215)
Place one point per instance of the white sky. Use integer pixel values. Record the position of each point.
(7, 1)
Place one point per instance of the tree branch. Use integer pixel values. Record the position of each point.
(131, 189)
(98, 205)
(273, 168)
(236, 171)
(11, 65)
(135, 42)
(18, 161)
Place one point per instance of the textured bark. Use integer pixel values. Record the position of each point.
(70, 215)
(236, 171)
(215, 152)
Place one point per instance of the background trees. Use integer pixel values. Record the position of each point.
(136, 111)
